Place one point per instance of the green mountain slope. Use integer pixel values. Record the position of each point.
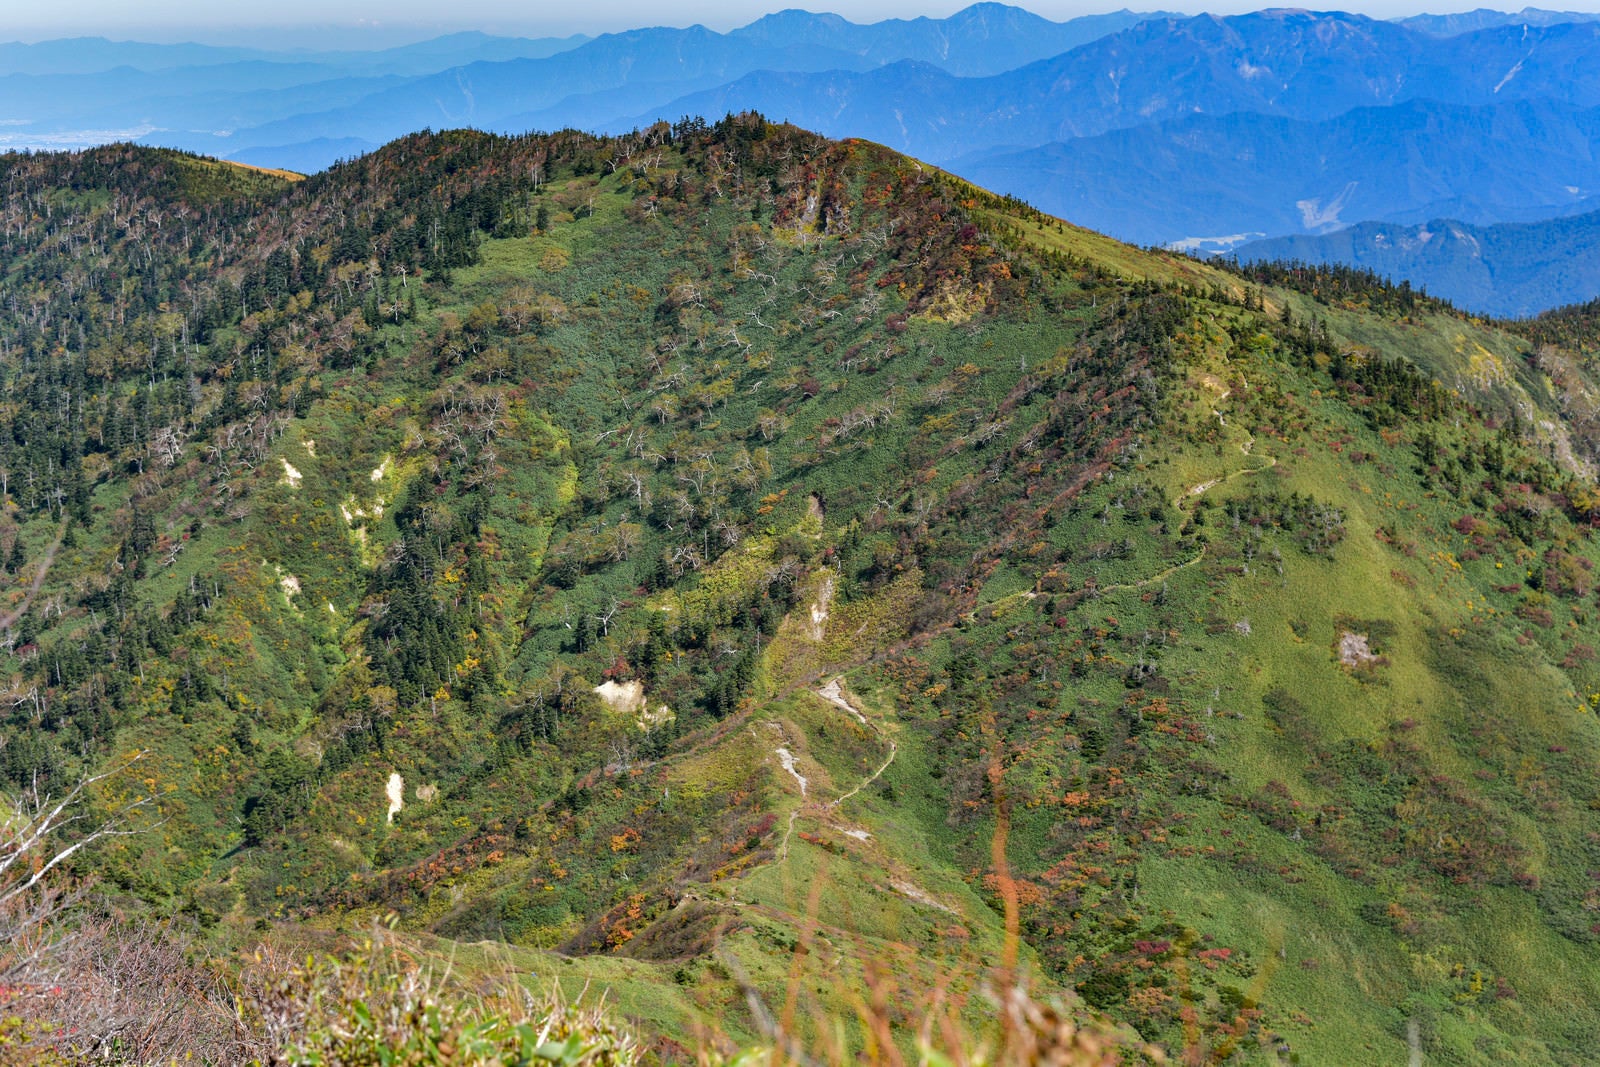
(750, 570)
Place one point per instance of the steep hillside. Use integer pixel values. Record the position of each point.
(767, 575)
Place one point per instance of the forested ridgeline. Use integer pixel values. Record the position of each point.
(676, 548)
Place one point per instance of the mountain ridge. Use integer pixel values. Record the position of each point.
(1222, 637)
(1483, 18)
(1407, 163)
(1514, 270)
(1170, 103)
(1082, 92)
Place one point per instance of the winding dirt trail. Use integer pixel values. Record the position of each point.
(1194, 491)
(1204, 487)
(833, 693)
(783, 846)
(1161, 576)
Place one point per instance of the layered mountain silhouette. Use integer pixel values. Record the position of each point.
(186, 95)
(1448, 25)
(1205, 176)
(732, 558)
(1197, 132)
(1512, 269)
(1288, 64)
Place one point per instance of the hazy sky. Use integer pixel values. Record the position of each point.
(378, 22)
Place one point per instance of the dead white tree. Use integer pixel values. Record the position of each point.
(167, 444)
(605, 617)
(89, 988)
(35, 851)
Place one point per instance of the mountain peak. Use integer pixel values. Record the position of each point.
(675, 519)
(791, 18)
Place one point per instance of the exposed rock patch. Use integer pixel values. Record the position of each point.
(918, 894)
(833, 693)
(1354, 650)
(396, 793)
(786, 758)
(629, 699)
(626, 697)
(819, 610)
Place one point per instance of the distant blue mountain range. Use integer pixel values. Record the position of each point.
(229, 101)
(1513, 270)
(1210, 181)
(1290, 64)
(1201, 132)
(1484, 18)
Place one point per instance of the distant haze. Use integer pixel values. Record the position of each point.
(385, 23)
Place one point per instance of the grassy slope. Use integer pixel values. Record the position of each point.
(861, 915)
(1449, 660)
(1393, 845)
